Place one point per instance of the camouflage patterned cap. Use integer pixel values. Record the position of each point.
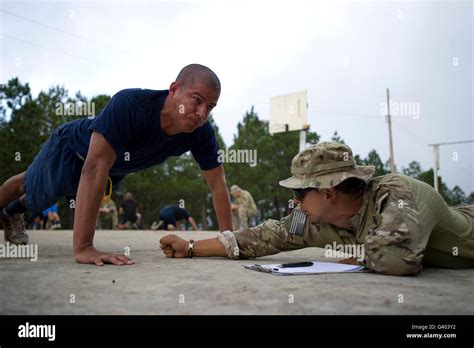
(235, 188)
(325, 165)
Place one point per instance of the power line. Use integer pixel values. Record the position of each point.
(416, 136)
(59, 51)
(65, 32)
(350, 114)
(466, 170)
(453, 142)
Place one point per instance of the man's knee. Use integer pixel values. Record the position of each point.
(20, 179)
(15, 184)
(17, 180)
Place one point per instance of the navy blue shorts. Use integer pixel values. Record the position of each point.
(54, 173)
(168, 218)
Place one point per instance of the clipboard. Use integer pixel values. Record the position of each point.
(309, 267)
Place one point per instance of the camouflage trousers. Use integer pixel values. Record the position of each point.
(103, 218)
(241, 217)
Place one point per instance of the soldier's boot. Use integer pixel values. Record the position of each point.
(157, 225)
(14, 228)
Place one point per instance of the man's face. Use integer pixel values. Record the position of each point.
(317, 205)
(193, 104)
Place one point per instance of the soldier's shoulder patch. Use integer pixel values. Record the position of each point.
(297, 223)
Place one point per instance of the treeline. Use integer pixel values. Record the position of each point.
(26, 122)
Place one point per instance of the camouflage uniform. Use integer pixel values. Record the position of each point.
(402, 221)
(246, 208)
(112, 215)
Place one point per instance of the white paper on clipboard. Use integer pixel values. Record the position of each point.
(317, 267)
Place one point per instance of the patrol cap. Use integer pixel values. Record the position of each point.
(325, 165)
(235, 188)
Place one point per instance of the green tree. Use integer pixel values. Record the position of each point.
(274, 155)
(100, 101)
(26, 123)
(337, 138)
(413, 170)
(19, 136)
(470, 198)
(372, 159)
(13, 96)
(458, 196)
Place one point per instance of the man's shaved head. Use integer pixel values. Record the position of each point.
(191, 98)
(198, 73)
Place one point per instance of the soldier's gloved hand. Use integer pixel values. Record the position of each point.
(173, 246)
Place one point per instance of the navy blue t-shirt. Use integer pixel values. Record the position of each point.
(130, 122)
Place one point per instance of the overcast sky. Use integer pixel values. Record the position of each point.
(345, 54)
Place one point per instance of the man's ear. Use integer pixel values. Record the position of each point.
(173, 87)
(330, 194)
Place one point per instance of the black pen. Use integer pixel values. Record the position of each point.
(296, 264)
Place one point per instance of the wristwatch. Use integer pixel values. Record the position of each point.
(191, 249)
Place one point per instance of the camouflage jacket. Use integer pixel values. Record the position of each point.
(245, 200)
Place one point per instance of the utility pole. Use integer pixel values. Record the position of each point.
(436, 158)
(389, 121)
(436, 166)
(302, 140)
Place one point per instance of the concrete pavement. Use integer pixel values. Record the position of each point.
(55, 284)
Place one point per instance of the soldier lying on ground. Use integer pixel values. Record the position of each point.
(402, 222)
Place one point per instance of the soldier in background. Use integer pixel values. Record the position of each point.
(243, 207)
(171, 216)
(107, 211)
(401, 222)
(131, 218)
(51, 215)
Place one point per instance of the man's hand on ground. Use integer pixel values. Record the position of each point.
(92, 256)
(173, 246)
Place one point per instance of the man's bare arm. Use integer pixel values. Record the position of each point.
(193, 223)
(215, 179)
(173, 246)
(99, 160)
